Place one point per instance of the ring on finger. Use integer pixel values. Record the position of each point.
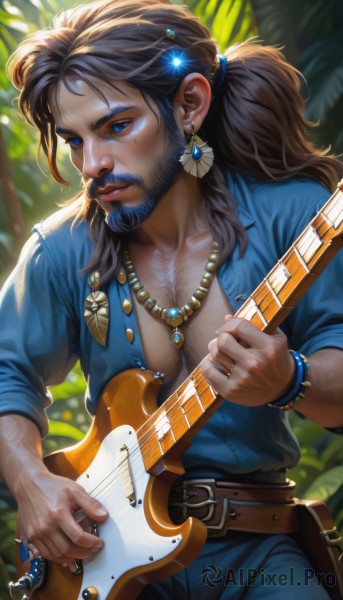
(229, 373)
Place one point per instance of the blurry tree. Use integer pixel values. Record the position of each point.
(27, 190)
(310, 33)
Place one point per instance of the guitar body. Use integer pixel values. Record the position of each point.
(141, 542)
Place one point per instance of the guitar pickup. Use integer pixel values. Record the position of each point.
(126, 475)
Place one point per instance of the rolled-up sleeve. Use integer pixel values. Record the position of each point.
(37, 335)
(317, 322)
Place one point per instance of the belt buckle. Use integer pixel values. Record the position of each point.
(210, 502)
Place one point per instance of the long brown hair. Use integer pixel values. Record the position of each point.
(255, 123)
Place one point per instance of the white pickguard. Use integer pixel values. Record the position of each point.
(129, 540)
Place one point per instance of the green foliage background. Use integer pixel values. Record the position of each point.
(311, 34)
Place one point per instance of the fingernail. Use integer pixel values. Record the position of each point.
(102, 511)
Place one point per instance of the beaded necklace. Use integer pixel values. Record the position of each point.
(174, 316)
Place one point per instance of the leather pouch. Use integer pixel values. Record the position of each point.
(320, 540)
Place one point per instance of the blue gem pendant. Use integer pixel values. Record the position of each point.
(173, 317)
(196, 151)
(177, 338)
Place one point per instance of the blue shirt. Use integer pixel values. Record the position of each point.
(43, 330)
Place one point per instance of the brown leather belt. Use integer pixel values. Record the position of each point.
(230, 506)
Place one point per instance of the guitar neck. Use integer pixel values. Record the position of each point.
(187, 410)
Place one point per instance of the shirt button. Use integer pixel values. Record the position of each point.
(130, 335)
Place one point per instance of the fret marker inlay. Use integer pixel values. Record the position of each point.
(249, 309)
(278, 277)
(309, 243)
(162, 426)
(335, 215)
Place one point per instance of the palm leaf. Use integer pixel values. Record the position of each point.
(62, 429)
(326, 484)
(322, 66)
(275, 25)
(229, 21)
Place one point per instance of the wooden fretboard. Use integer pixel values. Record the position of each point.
(189, 407)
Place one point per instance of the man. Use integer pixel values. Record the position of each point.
(135, 89)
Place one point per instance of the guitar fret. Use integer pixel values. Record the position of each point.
(193, 409)
(177, 418)
(208, 396)
(166, 444)
(199, 401)
(308, 244)
(300, 259)
(278, 277)
(273, 292)
(184, 411)
(265, 300)
(162, 425)
(201, 385)
(165, 435)
(334, 214)
(204, 390)
(252, 313)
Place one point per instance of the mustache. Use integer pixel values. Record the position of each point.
(111, 179)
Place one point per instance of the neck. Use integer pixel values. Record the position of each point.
(179, 214)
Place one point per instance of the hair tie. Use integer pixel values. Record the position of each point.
(222, 70)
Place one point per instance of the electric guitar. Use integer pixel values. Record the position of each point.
(132, 452)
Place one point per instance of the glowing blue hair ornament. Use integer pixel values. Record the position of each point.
(175, 61)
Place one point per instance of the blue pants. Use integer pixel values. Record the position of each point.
(244, 566)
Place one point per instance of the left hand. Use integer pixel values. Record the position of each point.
(247, 366)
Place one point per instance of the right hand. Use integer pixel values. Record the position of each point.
(47, 525)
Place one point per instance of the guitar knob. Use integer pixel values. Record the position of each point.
(90, 593)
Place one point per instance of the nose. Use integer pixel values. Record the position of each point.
(96, 160)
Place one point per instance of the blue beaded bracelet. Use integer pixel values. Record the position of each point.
(299, 387)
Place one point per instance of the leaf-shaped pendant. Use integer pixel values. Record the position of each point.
(97, 315)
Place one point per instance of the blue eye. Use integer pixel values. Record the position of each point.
(119, 126)
(74, 142)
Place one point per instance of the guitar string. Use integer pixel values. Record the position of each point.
(290, 252)
(164, 413)
(142, 442)
(121, 466)
(122, 463)
(306, 249)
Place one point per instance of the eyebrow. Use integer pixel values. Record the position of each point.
(100, 122)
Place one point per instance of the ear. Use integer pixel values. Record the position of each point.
(192, 101)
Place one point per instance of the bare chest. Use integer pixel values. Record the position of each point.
(172, 283)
